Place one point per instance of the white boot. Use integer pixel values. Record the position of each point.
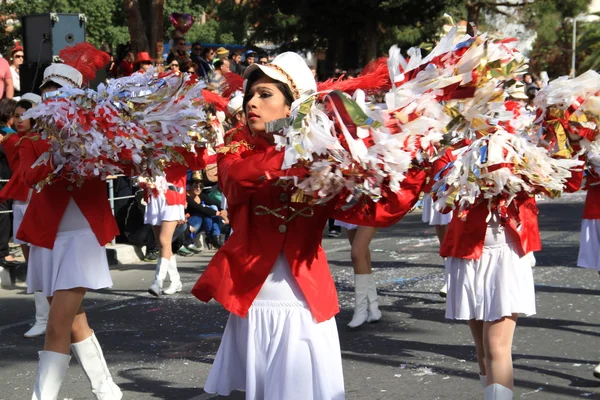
(597, 371)
(444, 291)
(162, 267)
(361, 303)
(89, 355)
(497, 392)
(52, 369)
(5, 280)
(483, 381)
(374, 313)
(175, 285)
(42, 308)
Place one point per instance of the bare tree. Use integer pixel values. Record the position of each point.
(145, 21)
(475, 7)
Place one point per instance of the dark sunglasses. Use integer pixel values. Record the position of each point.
(19, 56)
(197, 48)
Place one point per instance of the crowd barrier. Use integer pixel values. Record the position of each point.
(111, 195)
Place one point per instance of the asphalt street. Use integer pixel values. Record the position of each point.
(163, 348)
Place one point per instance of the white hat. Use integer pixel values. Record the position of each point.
(290, 69)
(517, 91)
(31, 97)
(62, 74)
(235, 104)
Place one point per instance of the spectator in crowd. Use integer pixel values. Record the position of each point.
(196, 55)
(179, 52)
(7, 89)
(7, 109)
(529, 81)
(531, 93)
(126, 67)
(143, 62)
(250, 58)
(236, 63)
(204, 218)
(263, 59)
(190, 67)
(17, 56)
(217, 81)
(206, 68)
(174, 66)
(111, 67)
(222, 54)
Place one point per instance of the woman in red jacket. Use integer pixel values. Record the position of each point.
(490, 282)
(20, 194)
(281, 338)
(67, 227)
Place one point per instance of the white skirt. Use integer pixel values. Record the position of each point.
(431, 216)
(158, 211)
(589, 244)
(19, 209)
(77, 260)
(278, 351)
(346, 225)
(497, 285)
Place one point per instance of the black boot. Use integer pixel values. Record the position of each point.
(216, 242)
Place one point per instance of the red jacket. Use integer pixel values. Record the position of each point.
(591, 210)
(267, 221)
(15, 188)
(464, 239)
(46, 208)
(176, 175)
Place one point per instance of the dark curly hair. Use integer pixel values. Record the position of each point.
(7, 109)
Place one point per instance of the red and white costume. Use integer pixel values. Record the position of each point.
(488, 269)
(166, 200)
(15, 189)
(67, 227)
(281, 339)
(589, 245)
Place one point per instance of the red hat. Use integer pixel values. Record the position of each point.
(15, 49)
(143, 57)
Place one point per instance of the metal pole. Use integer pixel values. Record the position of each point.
(111, 200)
(574, 47)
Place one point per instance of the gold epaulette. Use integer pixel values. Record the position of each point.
(233, 147)
(230, 134)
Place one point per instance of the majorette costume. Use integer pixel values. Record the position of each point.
(487, 273)
(459, 92)
(20, 193)
(281, 339)
(589, 245)
(166, 202)
(127, 126)
(15, 189)
(67, 227)
(570, 113)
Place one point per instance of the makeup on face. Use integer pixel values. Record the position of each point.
(265, 103)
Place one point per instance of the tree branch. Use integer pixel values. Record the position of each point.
(494, 4)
